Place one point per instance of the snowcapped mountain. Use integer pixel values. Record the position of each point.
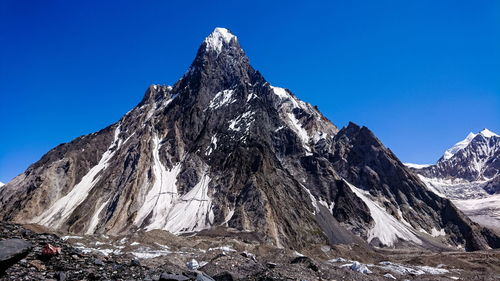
(469, 174)
(222, 148)
(1, 184)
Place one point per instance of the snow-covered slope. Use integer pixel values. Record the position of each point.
(1, 184)
(485, 211)
(469, 174)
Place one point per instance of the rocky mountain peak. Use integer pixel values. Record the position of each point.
(224, 149)
(485, 133)
(220, 64)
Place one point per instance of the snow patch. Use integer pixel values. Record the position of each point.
(432, 185)
(485, 211)
(251, 97)
(212, 146)
(488, 134)
(436, 233)
(229, 215)
(192, 211)
(166, 209)
(57, 214)
(95, 218)
(64, 238)
(291, 120)
(411, 270)
(299, 130)
(147, 253)
(280, 92)
(218, 38)
(223, 248)
(358, 267)
(387, 228)
(162, 194)
(221, 99)
(389, 276)
(247, 117)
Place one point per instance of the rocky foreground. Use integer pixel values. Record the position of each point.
(158, 255)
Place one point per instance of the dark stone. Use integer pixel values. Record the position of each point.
(203, 277)
(271, 265)
(307, 261)
(61, 276)
(172, 277)
(135, 262)
(98, 262)
(12, 251)
(224, 276)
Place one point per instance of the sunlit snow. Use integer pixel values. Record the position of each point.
(386, 228)
(222, 98)
(64, 206)
(166, 209)
(218, 38)
(95, 218)
(416, 166)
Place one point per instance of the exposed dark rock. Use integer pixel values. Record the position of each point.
(225, 276)
(12, 251)
(305, 260)
(135, 262)
(172, 277)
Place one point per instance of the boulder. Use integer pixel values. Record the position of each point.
(172, 277)
(12, 251)
(192, 264)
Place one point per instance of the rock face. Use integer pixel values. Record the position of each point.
(469, 174)
(224, 148)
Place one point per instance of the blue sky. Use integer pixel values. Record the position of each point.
(420, 74)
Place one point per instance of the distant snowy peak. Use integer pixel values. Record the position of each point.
(458, 146)
(219, 37)
(464, 143)
(1, 184)
(488, 134)
(469, 174)
(470, 169)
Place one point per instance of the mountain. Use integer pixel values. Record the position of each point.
(469, 174)
(224, 149)
(1, 184)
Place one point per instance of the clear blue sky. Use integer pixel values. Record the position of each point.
(420, 74)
